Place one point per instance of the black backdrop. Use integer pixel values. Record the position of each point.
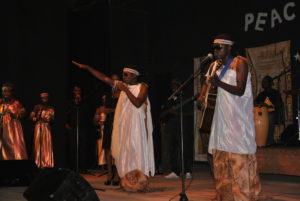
(40, 38)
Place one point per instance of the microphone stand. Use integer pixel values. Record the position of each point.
(77, 139)
(40, 128)
(183, 196)
(179, 91)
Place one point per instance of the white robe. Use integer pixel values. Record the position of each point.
(132, 143)
(233, 122)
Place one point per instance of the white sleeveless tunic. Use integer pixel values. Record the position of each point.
(233, 122)
(132, 143)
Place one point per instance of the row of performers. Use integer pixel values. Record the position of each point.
(12, 143)
(129, 142)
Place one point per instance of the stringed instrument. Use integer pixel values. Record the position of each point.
(210, 99)
(164, 113)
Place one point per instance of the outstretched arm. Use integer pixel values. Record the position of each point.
(101, 76)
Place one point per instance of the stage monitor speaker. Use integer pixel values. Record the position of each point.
(57, 184)
(290, 135)
(17, 172)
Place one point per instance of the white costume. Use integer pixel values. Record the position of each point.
(233, 123)
(132, 144)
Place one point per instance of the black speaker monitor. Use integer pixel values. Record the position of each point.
(57, 184)
(17, 172)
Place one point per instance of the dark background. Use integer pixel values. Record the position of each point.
(40, 38)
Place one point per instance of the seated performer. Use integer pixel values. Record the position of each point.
(132, 144)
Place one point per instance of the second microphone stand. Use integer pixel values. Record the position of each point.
(77, 139)
(179, 91)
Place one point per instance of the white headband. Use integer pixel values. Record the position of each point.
(130, 70)
(7, 87)
(224, 41)
(44, 95)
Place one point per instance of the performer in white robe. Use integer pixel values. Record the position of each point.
(232, 137)
(132, 144)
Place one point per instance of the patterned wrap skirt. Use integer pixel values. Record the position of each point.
(236, 176)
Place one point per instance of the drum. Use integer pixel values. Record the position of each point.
(261, 121)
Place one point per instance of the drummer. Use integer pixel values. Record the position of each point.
(270, 98)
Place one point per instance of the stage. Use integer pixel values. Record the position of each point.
(200, 188)
(279, 159)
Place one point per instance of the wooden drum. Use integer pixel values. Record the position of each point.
(261, 120)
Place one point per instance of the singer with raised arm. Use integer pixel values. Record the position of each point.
(132, 143)
(43, 115)
(232, 135)
(12, 143)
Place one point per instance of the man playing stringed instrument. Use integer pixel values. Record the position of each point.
(232, 136)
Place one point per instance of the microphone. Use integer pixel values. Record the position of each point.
(209, 57)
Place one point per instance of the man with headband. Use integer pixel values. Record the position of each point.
(232, 137)
(43, 115)
(132, 143)
(12, 144)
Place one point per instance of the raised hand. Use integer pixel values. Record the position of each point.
(121, 85)
(101, 76)
(214, 80)
(83, 66)
(200, 102)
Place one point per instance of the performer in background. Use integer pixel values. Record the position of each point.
(104, 117)
(12, 143)
(43, 115)
(132, 144)
(271, 98)
(99, 121)
(170, 133)
(77, 125)
(232, 137)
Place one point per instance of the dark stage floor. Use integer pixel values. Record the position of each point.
(201, 187)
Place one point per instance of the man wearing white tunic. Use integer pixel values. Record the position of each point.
(232, 137)
(132, 144)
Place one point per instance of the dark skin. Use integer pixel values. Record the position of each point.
(223, 55)
(44, 101)
(7, 97)
(7, 94)
(267, 85)
(115, 94)
(128, 78)
(77, 99)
